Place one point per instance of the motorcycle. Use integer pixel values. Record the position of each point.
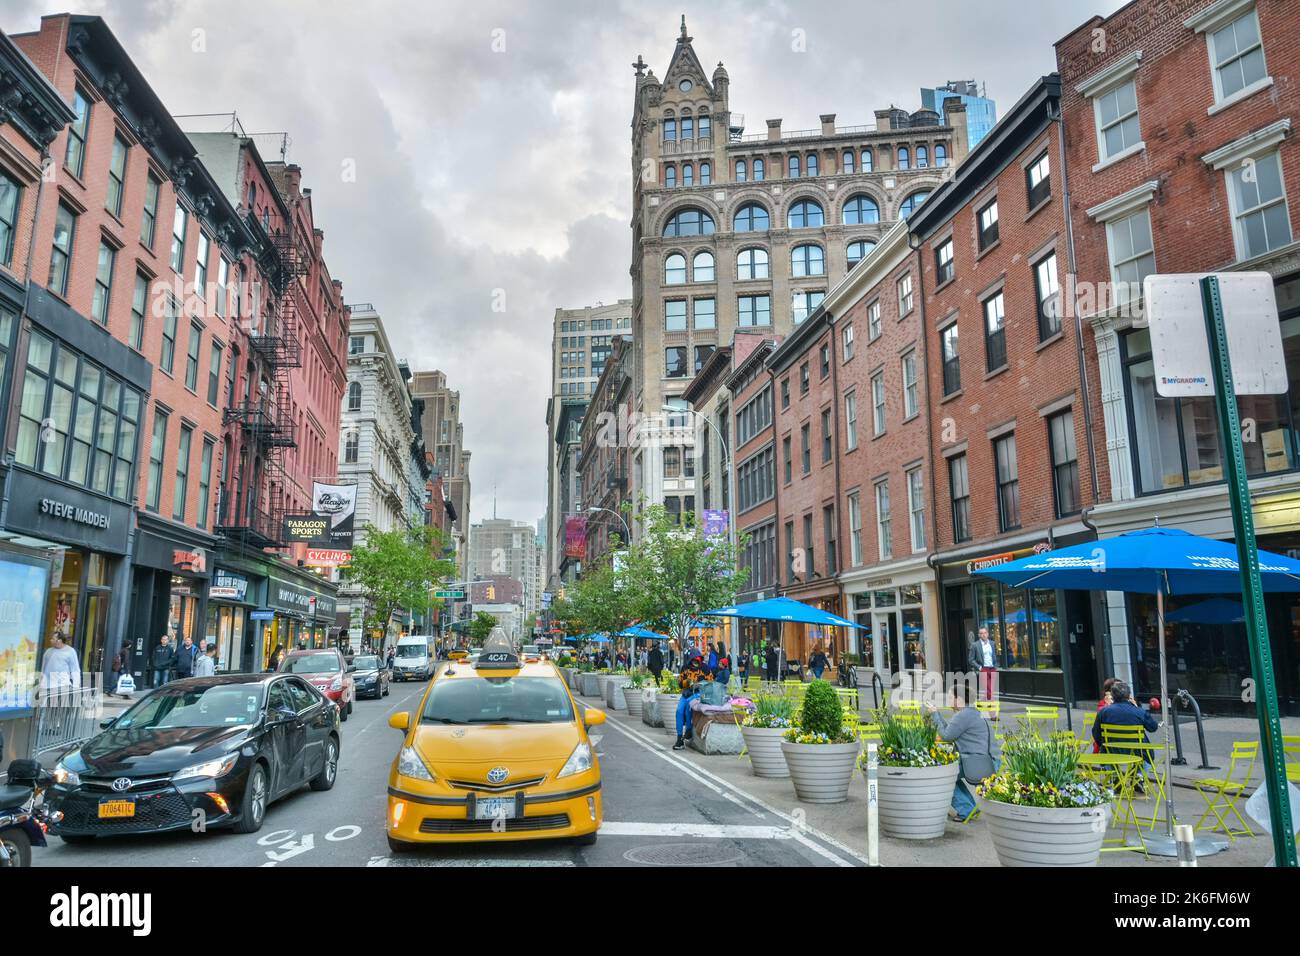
(23, 819)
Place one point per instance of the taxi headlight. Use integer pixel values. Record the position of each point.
(579, 761)
(409, 764)
(212, 768)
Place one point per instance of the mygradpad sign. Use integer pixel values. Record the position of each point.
(1183, 380)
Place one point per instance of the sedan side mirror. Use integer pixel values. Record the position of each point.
(352, 668)
(107, 722)
(279, 714)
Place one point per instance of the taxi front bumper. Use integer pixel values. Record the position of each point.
(537, 815)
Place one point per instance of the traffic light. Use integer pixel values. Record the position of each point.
(491, 593)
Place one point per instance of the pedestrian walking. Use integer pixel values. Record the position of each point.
(980, 752)
(654, 661)
(163, 660)
(817, 662)
(982, 659)
(771, 659)
(205, 664)
(60, 672)
(743, 662)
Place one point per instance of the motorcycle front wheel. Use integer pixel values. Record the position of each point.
(18, 847)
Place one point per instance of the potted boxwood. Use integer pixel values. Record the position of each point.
(763, 730)
(1041, 810)
(820, 751)
(633, 688)
(916, 775)
(670, 693)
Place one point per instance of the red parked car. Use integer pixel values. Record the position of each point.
(327, 671)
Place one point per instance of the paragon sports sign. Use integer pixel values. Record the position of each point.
(307, 528)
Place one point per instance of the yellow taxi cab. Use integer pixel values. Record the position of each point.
(496, 751)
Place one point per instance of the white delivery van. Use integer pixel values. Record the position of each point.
(414, 658)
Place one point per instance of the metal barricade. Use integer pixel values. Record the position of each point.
(66, 716)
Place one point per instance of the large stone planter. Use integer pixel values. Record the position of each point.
(589, 684)
(633, 701)
(914, 801)
(764, 746)
(650, 708)
(821, 772)
(613, 692)
(668, 710)
(1046, 836)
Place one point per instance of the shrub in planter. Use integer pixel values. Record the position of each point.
(763, 730)
(670, 693)
(632, 690)
(1041, 810)
(820, 751)
(916, 775)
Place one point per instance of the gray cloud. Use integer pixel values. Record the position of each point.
(479, 170)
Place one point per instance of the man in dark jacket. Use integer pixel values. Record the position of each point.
(163, 660)
(692, 675)
(185, 656)
(654, 661)
(772, 661)
(1123, 713)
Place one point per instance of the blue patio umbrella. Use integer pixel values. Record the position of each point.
(636, 630)
(783, 609)
(1159, 561)
(1213, 611)
(1019, 617)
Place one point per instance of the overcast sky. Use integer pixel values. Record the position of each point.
(491, 144)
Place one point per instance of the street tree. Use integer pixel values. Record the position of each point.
(599, 602)
(480, 628)
(396, 570)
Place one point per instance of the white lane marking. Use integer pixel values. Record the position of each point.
(434, 861)
(289, 850)
(720, 831)
(801, 830)
(276, 836)
(345, 832)
(391, 710)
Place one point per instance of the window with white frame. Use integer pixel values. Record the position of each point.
(905, 295)
(1260, 222)
(883, 522)
(911, 394)
(1117, 120)
(1132, 253)
(1237, 56)
(916, 509)
(878, 403)
(855, 528)
(846, 338)
(873, 321)
(851, 420)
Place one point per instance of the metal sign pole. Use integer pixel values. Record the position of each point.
(1252, 592)
(873, 805)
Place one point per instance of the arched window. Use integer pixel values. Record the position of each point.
(706, 174)
(702, 267)
(705, 126)
(758, 170)
(752, 264)
(675, 269)
(688, 174)
(807, 260)
(847, 163)
(806, 214)
(688, 128)
(860, 210)
(940, 155)
(922, 157)
(913, 202)
(867, 161)
(857, 251)
(670, 176)
(810, 167)
(742, 171)
(751, 218)
(689, 222)
(670, 129)
(904, 158)
(354, 396)
(794, 167)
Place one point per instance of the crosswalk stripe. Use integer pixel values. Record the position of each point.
(703, 830)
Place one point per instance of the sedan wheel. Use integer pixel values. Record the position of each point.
(330, 769)
(253, 809)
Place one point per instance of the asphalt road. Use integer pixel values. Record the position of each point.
(660, 810)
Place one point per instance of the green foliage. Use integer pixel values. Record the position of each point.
(822, 712)
(596, 604)
(1042, 773)
(771, 710)
(911, 740)
(396, 570)
(637, 680)
(564, 661)
(481, 626)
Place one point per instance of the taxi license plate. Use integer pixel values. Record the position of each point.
(494, 808)
(116, 808)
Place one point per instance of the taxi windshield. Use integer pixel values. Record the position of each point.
(221, 706)
(498, 700)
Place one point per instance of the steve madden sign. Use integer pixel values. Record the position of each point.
(61, 509)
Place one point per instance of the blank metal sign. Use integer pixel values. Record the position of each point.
(1180, 344)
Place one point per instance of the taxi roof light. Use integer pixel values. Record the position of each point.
(498, 653)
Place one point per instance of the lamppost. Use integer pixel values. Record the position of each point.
(731, 511)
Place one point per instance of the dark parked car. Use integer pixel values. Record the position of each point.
(327, 671)
(216, 749)
(371, 676)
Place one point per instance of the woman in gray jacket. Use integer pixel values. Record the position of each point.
(981, 753)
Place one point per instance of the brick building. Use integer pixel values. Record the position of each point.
(1180, 152)
(603, 452)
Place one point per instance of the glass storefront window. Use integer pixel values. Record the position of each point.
(988, 612)
(226, 630)
(1047, 629)
(1018, 628)
(64, 604)
(910, 594)
(913, 639)
(180, 620)
(885, 598)
(1208, 657)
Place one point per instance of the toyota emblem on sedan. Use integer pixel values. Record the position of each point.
(121, 784)
(498, 775)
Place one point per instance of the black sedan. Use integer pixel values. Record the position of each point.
(371, 676)
(198, 753)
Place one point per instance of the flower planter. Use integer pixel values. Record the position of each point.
(914, 801)
(589, 682)
(650, 708)
(1046, 836)
(820, 772)
(764, 746)
(668, 711)
(633, 701)
(613, 692)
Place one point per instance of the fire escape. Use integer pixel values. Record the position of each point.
(266, 417)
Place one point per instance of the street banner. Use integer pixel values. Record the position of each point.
(715, 523)
(307, 528)
(327, 557)
(575, 537)
(339, 504)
